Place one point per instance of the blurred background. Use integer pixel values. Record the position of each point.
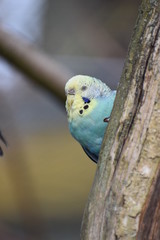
(45, 177)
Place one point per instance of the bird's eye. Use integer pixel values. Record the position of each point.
(83, 88)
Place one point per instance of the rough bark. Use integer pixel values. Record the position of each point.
(124, 202)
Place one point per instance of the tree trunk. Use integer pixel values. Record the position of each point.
(124, 202)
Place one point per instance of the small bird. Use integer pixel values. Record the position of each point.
(89, 104)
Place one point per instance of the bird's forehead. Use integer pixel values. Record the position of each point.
(72, 84)
(78, 82)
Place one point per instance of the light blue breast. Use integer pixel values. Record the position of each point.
(89, 130)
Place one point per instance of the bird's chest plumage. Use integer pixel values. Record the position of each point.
(86, 122)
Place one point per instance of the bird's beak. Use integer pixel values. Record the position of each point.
(71, 91)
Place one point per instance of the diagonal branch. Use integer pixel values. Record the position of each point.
(37, 66)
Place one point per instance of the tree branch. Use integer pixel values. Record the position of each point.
(38, 67)
(130, 155)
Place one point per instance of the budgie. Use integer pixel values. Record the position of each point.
(89, 104)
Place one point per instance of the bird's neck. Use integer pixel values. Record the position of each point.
(78, 108)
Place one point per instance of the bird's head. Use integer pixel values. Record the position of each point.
(83, 89)
(86, 86)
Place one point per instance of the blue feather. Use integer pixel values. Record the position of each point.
(86, 100)
(89, 130)
(89, 105)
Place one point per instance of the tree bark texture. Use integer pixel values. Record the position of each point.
(124, 202)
